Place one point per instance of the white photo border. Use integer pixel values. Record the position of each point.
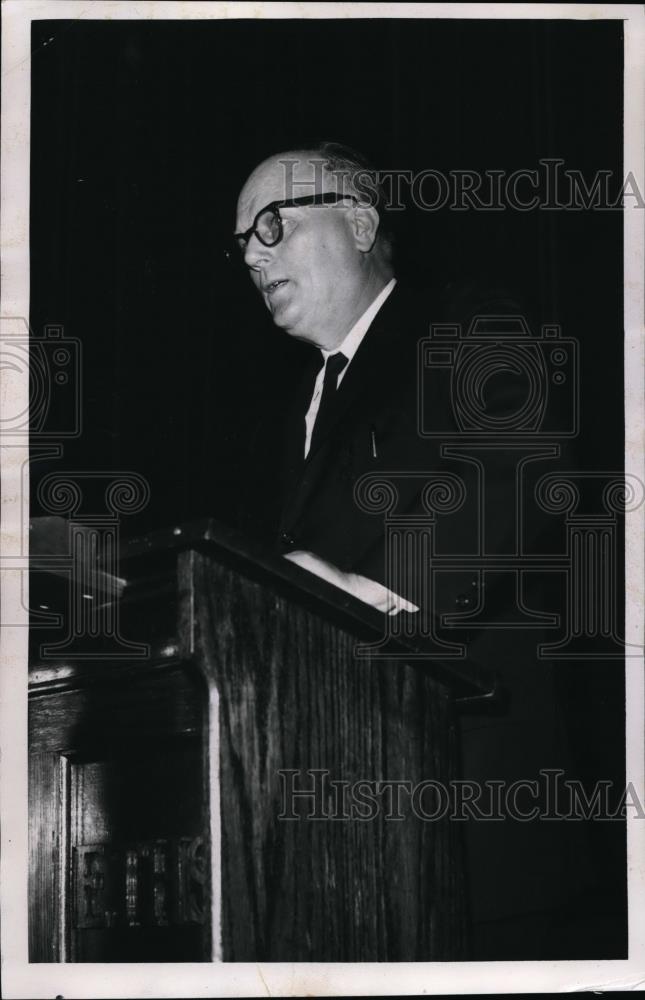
(20, 979)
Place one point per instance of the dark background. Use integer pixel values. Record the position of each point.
(142, 135)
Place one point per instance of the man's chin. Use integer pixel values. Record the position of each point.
(283, 317)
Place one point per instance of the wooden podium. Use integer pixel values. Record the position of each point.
(232, 768)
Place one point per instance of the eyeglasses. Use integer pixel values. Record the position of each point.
(267, 225)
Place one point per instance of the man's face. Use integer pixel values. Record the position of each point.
(313, 281)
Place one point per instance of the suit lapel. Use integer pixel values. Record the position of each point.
(393, 331)
(368, 366)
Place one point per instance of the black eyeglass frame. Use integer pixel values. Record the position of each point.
(324, 198)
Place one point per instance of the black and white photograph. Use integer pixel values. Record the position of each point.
(322, 474)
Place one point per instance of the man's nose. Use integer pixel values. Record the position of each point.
(256, 254)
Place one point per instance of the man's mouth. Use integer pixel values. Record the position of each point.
(272, 286)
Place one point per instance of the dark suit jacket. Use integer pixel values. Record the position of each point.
(374, 457)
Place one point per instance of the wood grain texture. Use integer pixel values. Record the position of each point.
(292, 695)
(46, 863)
(106, 706)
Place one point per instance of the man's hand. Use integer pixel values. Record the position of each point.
(368, 591)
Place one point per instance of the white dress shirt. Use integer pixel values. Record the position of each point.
(368, 591)
(348, 347)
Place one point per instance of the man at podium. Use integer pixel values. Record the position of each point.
(315, 234)
(402, 483)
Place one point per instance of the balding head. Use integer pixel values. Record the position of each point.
(327, 263)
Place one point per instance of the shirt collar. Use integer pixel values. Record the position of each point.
(352, 341)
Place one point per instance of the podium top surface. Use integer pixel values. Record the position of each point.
(254, 560)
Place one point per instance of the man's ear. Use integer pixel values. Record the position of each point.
(365, 223)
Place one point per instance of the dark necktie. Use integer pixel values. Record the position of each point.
(333, 368)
